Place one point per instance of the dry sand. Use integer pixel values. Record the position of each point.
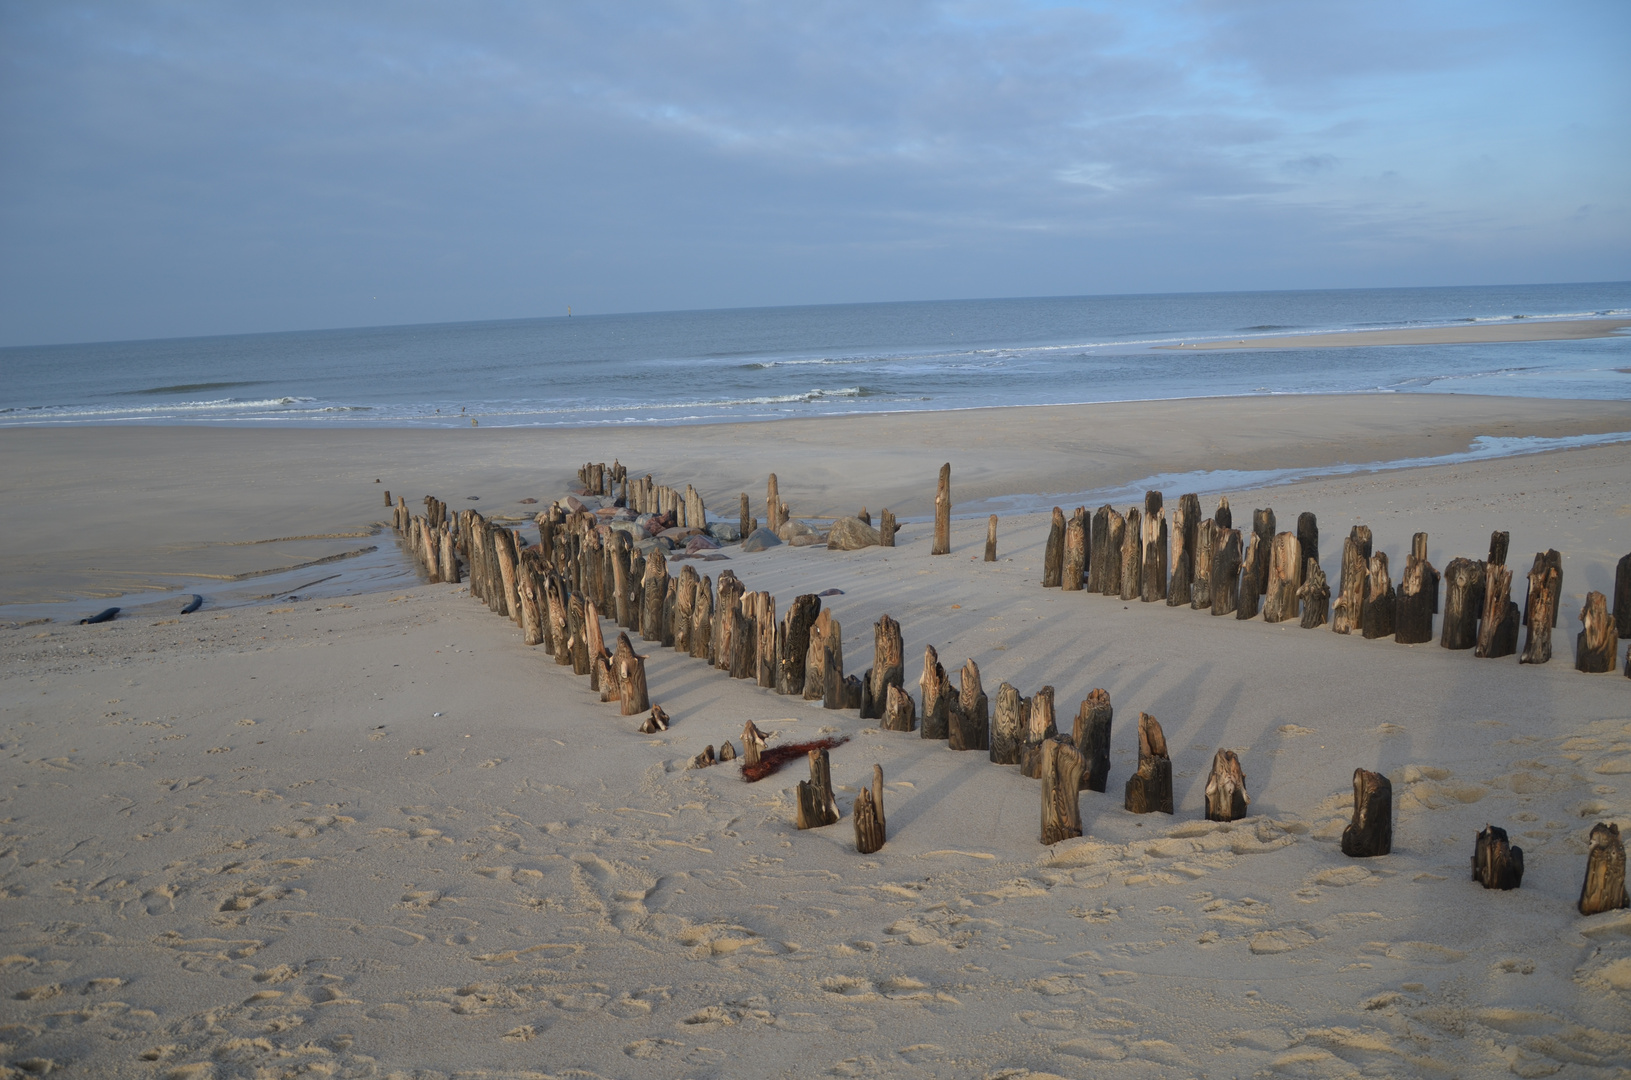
(1481, 333)
(244, 843)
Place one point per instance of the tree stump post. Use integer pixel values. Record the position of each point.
(1463, 603)
(816, 805)
(1223, 517)
(1226, 798)
(1053, 554)
(936, 695)
(1206, 545)
(1597, 646)
(888, 666)
(532, 617)
(1350, 604)
(1097, 546)
(729, 595)
(1150, 788)
(1092, 738)
(1061, 773)
(1377, 615)
(1622, 597)
(753, 742)
(1039, 729)
(1315, 596)
(899, 711)
(1153, 583)
(1499, 544)
(560, 630)
(1498, 626)
(794, 644)
(1007, 731)
(1496, 863)
(991, 539)
(942, 513)
(1604, 887)
(1285, 579)
(1370, 833)
(1226, 562)
(969, 727)
(1132, 557)
(886, 528)
(1539, 613)
(868, 815)
(1078, 531)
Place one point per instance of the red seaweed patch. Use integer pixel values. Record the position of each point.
(774, 757)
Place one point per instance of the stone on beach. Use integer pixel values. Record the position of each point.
(851, 534)
(760, 539)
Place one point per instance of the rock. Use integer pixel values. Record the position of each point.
(851, 534)
(793, 527)
(760, 539)
(651, 524)
(679, 534)
(807, 540)
(573, 504)
(725, 532)
(700, 543)
(629, 527)
(646, 545)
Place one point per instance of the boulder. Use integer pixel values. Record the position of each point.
(794, 527)
(760, 539)
(573, 504)
(850, 534)
(807, 539)
(647, 545)
(725, 532)
(699, 543)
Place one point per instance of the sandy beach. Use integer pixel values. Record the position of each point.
(376, 835)
(1480, 334)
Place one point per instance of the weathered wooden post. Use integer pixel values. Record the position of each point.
(1077, 536)
(1315, 596)
(560, 624)
(1370, 833)
(753, 742)
(1223, 516)
(744, 639)
(1604, 887)
(1539, 613)
(991, 539)
(533, 619)
(899, 710)
(1097, 548)
(1417, 598)
(868, 815)
(815, 658)
(1498, 627)
(767, 657)
(1153, 582)
(702, 620)
(1039, 729)
(1053, 554)
(969, 725)
(816, 805)
(654, 594)
(1622, 597)
(1150, 788)
(744, 522)
(942, 513)
(1186, 518)
(1463, 602)
(1113, 545)
(773, 505)
(1496, 863)
(1377, 616)
(1226, 563)
(1537, 575)
(1061, 771)
(1350, 604)
(794, 644)
(936, 696)
(834, 694)
(1206, 546)
(504, 550)
(1285, 578)
(1007, 732)
(887, 528)
(1248, 594)
(1597, 646)
(656, 720)
(631, 677)
(1308, 535)
(1263, 529)
(1132, 557)
(888, 667)
(1092, 737)
(1226, 798)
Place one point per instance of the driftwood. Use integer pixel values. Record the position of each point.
(1604, 887)
(942, 513)
(1538, 577)
(1622, 597)
(1597, 646)
(936, 694)
(1314, 594)
(1540, 611)
(793, 643)
(1091, 736)
(1350, 603)
(1249, 592)
(1153, 583)
(1496, 863)
(1039, 729)
(1132, 557)
(1498, 626)
(816, 805)
(1098, 546)
(1370, 832)
(899, 711)
(1186, 519)
(1053, 554)
(1077, 537)
(1107, 547)
(1285, 578)
(969, 717)
(888, 668)
(1205, 547)
(868, 815)
(1061, 773)
(886, 527)
(1376, 618)
(1226, 798)
(1463, 603)
(656, 721)
(1007, 730)
(1150, 788)
(1226, 572)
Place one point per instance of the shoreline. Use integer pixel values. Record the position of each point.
(1478, 334)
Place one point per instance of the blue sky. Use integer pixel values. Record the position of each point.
(186, 168)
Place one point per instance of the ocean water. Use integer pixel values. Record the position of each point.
(772, 363)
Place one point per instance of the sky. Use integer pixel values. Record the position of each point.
(177, 169)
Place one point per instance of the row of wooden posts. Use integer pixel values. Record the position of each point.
(556, 591)
(1127, 556)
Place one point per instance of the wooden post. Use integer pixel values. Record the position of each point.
(1132, 557)
(504, 548)
(753, 741)
(1496, 864)
(744, 523)
(579, 635)
(991, 539)
(1223, 516)
(1308, 536)
(1539, 613)
(1498, 626)
(1370, 833)
(1150, 788)
(942, 513)
(769, 651)
(1007, 732)
(1285, 579)
(932, 686)
(815, 663)
(1377, 616)
(1499, 544)
(1537, 574)
(631, 677)
(816, 805)
(1061, 771)
(1226, 573)
(1092, 737)
(595, 642)
(969, 724)
(1263, 528)
(1350, 605)
(773, 500)
(724, 629)
(744, 641)
(1153, 581)
(899, 711)
(727, 752)
(532, 606)
(1077, 532)
(1596, 648)
(685, 603)
(793, 644)
(1039, 729)
(888, 667)
(1463, 603)
(1097, 546)
(1186, 518)
(560, 629)
(1248, 593)
(1226, 798)
(833, 691)
(1113, 542)
(656, 720)
(702, 620)
(654, 593)
(1315, 596)
(1417, 598)
(886, 528)
(1053, 555)
(1622, 597)
(1206, 545)
(1604, 887)
(868, 815)
(449, 558)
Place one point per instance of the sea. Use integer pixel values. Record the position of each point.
(756, 364)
